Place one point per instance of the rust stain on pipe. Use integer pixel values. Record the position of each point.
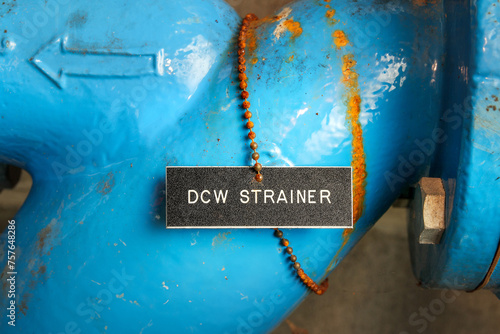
(422, 3)
(340, 39)
(329, 16)
(358, 164)
(252, 36)
(294, 27)
(353, 101)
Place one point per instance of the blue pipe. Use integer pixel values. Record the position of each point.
(98, 97)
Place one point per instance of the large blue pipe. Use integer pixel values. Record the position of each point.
(98, 97)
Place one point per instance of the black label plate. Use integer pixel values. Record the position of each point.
(229, 197)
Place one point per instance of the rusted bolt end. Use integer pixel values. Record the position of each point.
(433, 210)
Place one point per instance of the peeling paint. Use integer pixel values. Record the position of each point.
(221, 239)
(286, 24)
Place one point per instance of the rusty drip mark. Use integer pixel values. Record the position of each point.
(358, 163)
(353, 101)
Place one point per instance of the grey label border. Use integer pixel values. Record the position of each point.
(252, 173)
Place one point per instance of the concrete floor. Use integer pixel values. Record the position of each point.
(373, 290)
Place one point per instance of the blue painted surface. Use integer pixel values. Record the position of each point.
(148, 84)
(468, 159)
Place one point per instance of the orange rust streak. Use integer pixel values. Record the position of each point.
(353, 100)
(294, 27)
(330, 13)
(340, 39)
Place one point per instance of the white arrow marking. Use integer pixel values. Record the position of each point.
(56, 62)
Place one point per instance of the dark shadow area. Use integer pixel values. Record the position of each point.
(15, 184)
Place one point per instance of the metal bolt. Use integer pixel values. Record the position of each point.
(433, 209)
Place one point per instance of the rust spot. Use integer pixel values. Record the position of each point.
(294, 27)
(3, 277)
(22, 305)
(42, 269)
(290, 59)
(105, 186)
(254, 60)
(491, 107)
(42, 236)
(495, 98)
(340, 39)
(358, 164)
(422, 3)
(252, 36)
(77, 19)
(329, 16)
